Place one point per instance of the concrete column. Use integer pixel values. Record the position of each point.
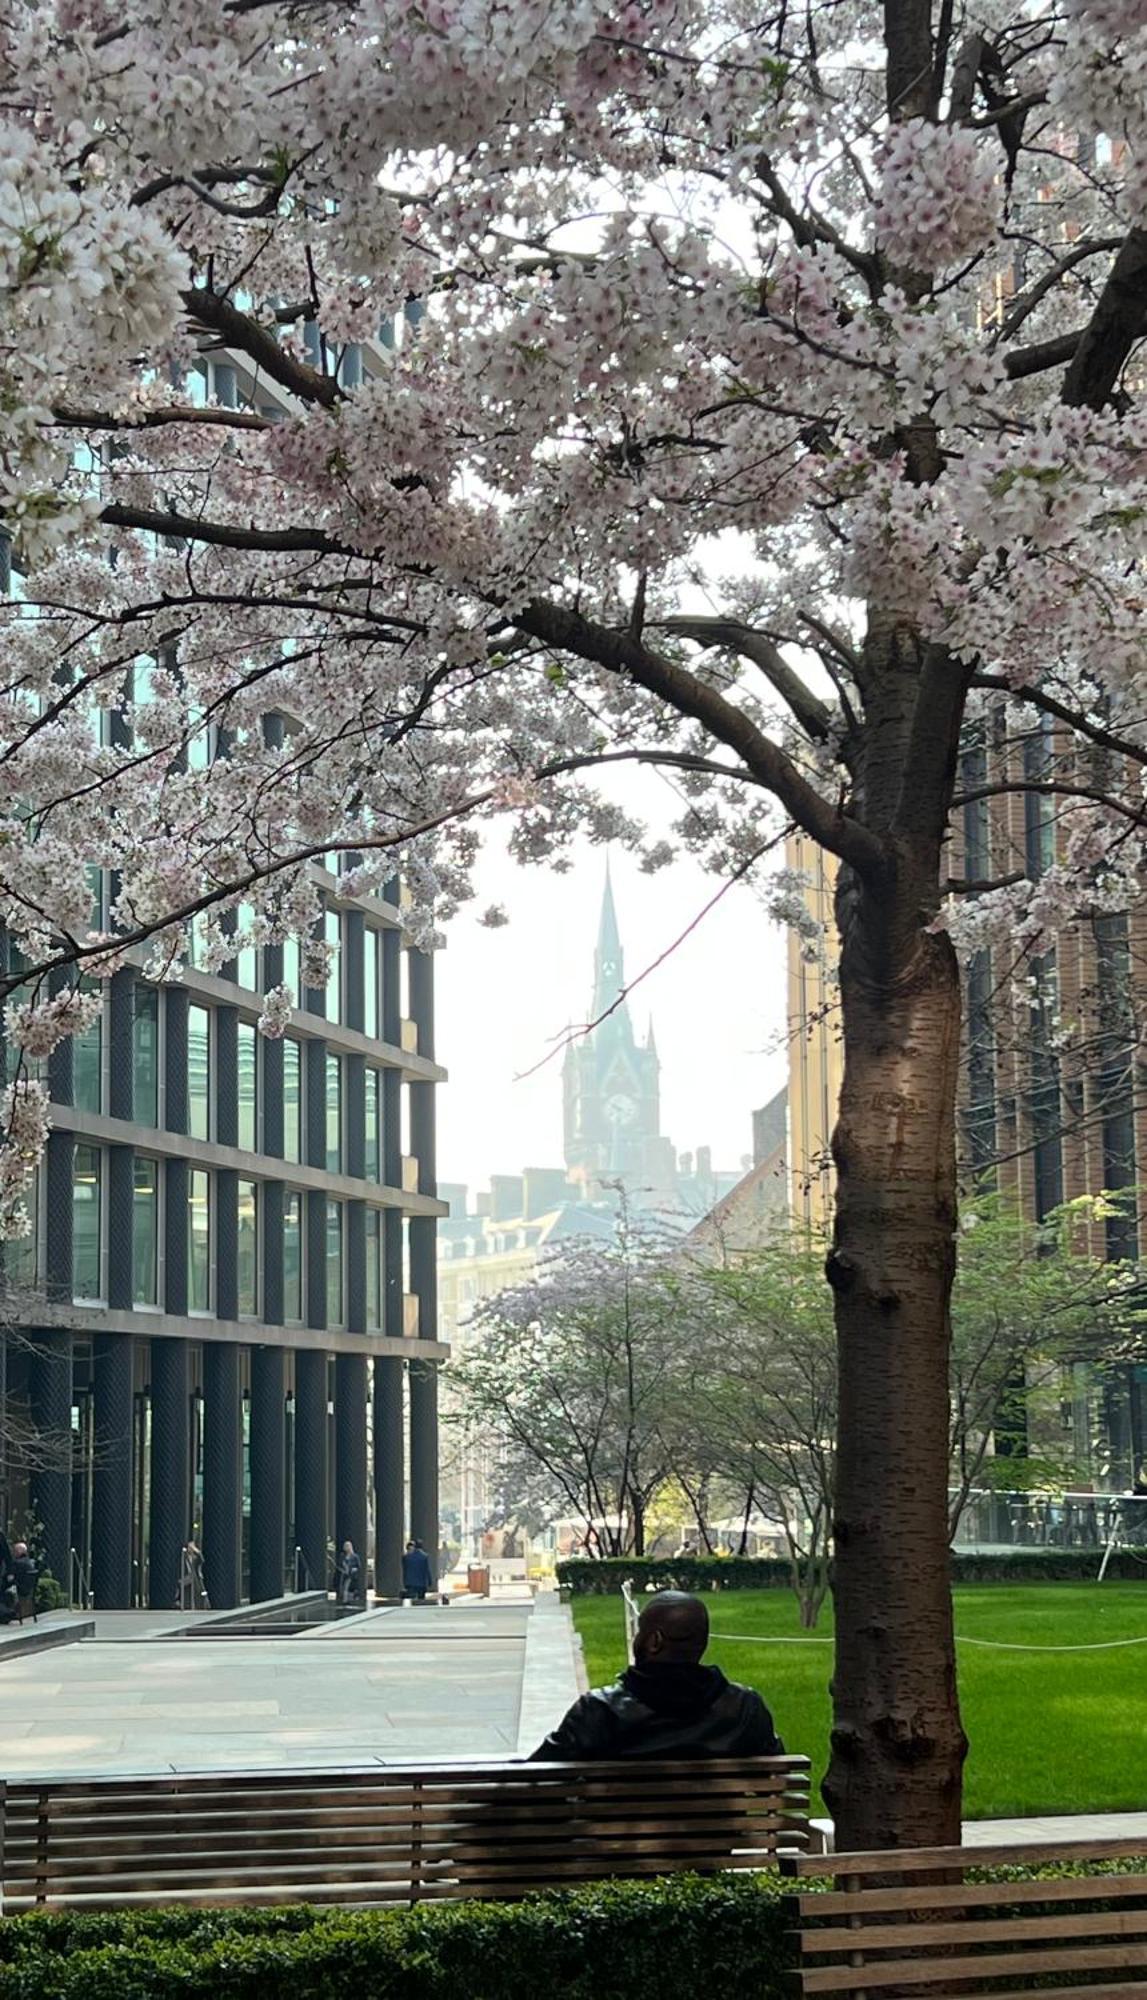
(120, 1023)
(113, 1357)
(311, 1462)
(120, 1204)
(268, 1471)
(389, 1476)
(222, 1473)
(227, 1076)
(350, 1451)
(169, 1525)
(424, 1455)
(50, 1383)
(175, 1006)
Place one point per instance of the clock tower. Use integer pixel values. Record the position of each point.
(611, 1086)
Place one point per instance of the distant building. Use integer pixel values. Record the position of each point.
(482, 1251)
(759, 1203)
(815, 1043)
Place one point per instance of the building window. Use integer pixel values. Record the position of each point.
(198, 1241)
(247, 959)
(332, 931)
(372, 967)
(88, 1067)
(374, 1270)
(291, 967)
(374, 1125)
(199, 1072)
(334, 1263)
(248, 1086)
(22, 1253)
(145, 1233)
(248, 1249)
(334, 1114)
(292, 1099)
(145, 1055)
(86, 1262)
(1039, 807)
(977, 831)
(293, 1259)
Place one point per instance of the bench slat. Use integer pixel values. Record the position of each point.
(864, 1902)
(996, 1930)
(914, 1972)
(918, 1860)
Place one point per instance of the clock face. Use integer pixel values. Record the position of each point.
(620, 1109)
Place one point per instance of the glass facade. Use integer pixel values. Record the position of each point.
(145, 1055)
(145, 1232)
(87, 1270)
(198, 1241)
(88, 1067)
(248, 1086)
(292, 978)
(247, 960)
(293, 1259)
(332, 931)
(373, 1270)
(373, 1125)
(372, 987)
(248, 1241)
(334, 1114)
(199, 1072)
(334, 1263)
(292, 1099)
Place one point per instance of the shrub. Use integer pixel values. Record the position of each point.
(727, 1934)
(50, 1595)
(703, 1573)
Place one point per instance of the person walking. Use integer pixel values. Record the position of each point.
(417, 1575)
(26, 1575)
(349, 1583)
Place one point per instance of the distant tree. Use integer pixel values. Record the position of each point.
(569, 1377)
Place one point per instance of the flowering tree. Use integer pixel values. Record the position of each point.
(576, 1378)
(772, 409)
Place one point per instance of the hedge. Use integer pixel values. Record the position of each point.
(701, 1573)
(728, 1934)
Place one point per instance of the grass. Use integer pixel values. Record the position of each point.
(1055, 1732)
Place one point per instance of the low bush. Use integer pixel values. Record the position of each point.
(724, 1935)
(703, 1573)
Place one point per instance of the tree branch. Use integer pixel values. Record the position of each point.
(619, 653)
(1115, 326)
(807, 708)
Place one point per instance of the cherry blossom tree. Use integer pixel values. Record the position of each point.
(745, 391)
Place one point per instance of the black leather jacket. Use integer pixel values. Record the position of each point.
(667, 1711)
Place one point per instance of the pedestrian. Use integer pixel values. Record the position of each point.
(667, 1704)
(26, 1575)
(417, 1575)
(193, 1580)
(349, 1576)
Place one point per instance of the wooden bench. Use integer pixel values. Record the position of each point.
(911, 1923)
(391, 1834)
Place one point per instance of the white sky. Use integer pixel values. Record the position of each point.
(505, 997)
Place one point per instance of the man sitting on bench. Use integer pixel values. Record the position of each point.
(666, 1704)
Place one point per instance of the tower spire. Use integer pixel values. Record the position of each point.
(608, 958)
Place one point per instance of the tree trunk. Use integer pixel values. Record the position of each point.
(897, 1743)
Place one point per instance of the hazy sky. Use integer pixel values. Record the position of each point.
(505, 997)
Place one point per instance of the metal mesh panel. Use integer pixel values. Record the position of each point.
(113, 1357)
(222, 1472)
(170, 1470)
(268, 1471)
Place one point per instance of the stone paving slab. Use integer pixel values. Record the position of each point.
(178, 1704)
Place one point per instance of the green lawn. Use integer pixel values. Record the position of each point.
(1051, 1732)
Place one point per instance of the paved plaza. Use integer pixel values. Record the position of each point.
(414, 1683)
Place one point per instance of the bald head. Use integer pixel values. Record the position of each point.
(673, 1630)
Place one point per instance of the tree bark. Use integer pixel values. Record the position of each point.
(897, 1743)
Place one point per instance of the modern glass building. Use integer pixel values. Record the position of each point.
(234, 1247)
